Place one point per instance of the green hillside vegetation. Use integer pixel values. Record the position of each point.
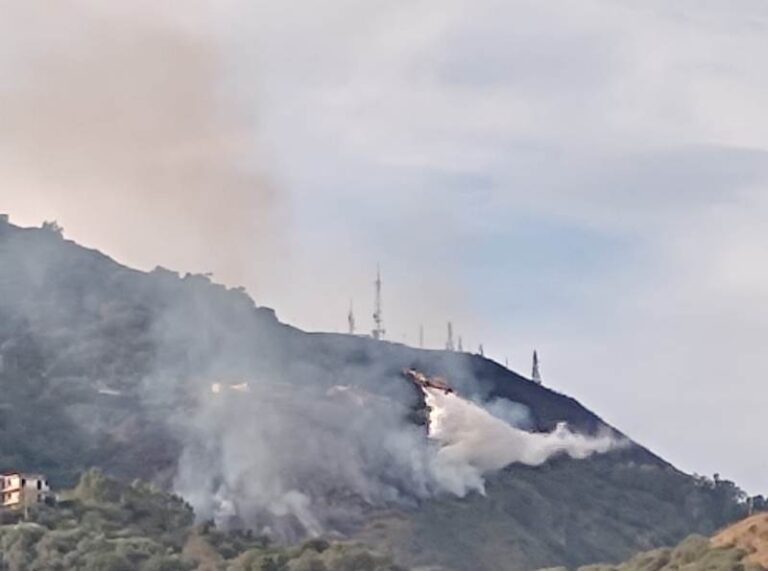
(106, 525)
(696, 553)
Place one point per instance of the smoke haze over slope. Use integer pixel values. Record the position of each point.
(295, 460)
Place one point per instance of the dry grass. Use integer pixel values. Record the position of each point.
(750, 535)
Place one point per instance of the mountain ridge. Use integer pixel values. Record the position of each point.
(88, 347)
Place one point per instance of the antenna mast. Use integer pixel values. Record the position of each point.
(421, 336)
(351, 318)
(378, 320)
(536, 373)
(449, 342)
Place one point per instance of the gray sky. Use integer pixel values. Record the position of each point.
(589, 178)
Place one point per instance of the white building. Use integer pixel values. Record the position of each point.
(19, 490)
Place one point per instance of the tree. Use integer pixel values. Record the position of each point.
(53, 227)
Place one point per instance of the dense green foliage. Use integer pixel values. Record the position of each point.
(102, 524)
(105, 525)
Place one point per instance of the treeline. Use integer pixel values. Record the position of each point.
(106, 525)
(732, 502)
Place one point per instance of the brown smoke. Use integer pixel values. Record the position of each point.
(116, 120)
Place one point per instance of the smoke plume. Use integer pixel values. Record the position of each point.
(474, 442)
(118, 121)
(295, 460)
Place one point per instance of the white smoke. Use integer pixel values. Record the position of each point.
(474, 442)
(295, 461)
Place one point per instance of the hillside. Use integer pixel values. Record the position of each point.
(750, 535)
(742, 546)
(101, 365)
(696, 553)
